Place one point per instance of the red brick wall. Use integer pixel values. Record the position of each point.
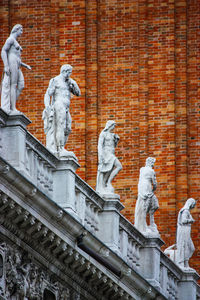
(137, 62)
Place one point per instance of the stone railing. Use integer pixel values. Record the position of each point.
(26, 153)
(130, 243)
(39, 165)
(88, 205)
(100, 216)
(169, 277)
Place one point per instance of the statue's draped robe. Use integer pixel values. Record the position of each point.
(5, 93)
(185, 245)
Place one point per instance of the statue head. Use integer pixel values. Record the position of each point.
(109, 124)
(16, 28)
(33, 272)
(150, 161)
(17, 258)
(190, 203)
(66, 70)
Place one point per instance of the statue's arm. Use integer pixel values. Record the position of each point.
(25, 65)
(116, 139)
(74, 89)
(4, 54)
(50, 91)
(186, 217)
(46, 100)
(51, 87)
(154, 181)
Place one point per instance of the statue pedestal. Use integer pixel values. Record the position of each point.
(13, 139)
(187, 287)
(109, 220)
(150, 260)
(64, 184)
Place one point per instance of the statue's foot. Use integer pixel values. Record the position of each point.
(146, 231)
(151, 232)
(110, 189)
(153, 228)
(63, 153)
(185, 268)
(15, 112)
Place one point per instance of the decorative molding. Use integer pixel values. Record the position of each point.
(26, 227)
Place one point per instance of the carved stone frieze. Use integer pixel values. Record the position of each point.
(22, 279)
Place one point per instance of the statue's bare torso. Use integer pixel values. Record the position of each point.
(62, 93)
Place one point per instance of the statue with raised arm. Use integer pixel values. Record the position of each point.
(13, 80)
(147, 202)
(109, 165)
(56, 115)
(185, 246)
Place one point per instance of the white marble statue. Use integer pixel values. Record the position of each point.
(147, 202)
(13, 80)
(108, 163)
(56, 115)
(185, 246)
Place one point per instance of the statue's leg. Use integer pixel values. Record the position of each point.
(107, 176)
(60, 118)
(186, 264)
(68, 128)
(151, 218)
(100, 186)
(20, 84)
(116, 168)
(14, 74)
(153, 225)
(153, 207)
(140, 215)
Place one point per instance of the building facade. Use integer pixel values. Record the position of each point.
(136, 62)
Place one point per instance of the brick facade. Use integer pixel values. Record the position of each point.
(136, 62)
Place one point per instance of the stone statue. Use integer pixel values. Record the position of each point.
(109, 165)
(16, 278)
(56, 115)
(185, 246)
(147, 202)
(13, 80)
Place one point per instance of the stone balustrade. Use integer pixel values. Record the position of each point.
(130, 243)
(169, 277)
(28, 155)
(57, 179)
(88, 205)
